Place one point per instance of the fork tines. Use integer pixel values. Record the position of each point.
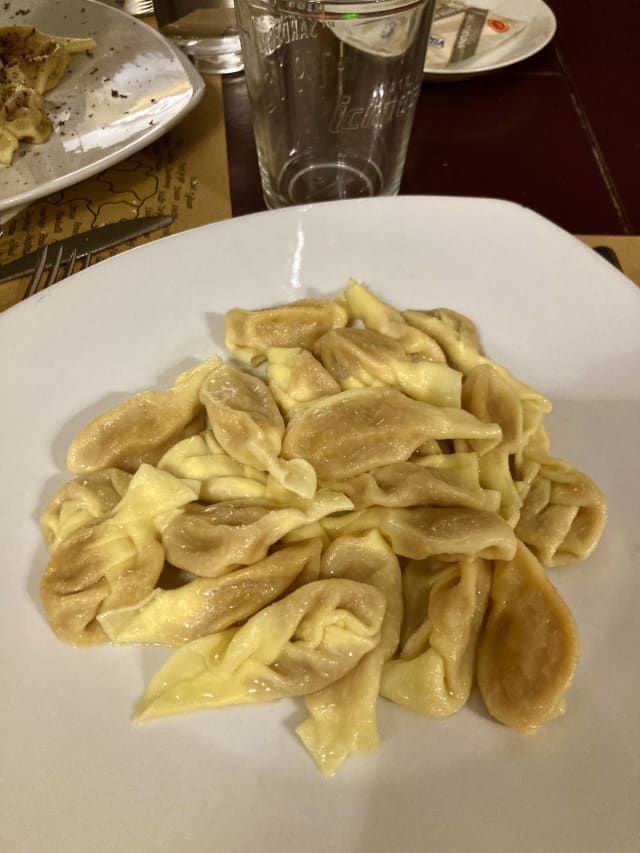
(40, 279)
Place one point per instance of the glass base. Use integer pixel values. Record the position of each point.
(213, 55)
(307, 179)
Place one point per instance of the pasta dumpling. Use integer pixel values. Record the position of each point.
(247, 424)
(114, 560)
(144, 427)
(296, 378)
(365, 512)
(445, 604)
(207, 605)
(528, 652)
(250, 334)
(458, 338)
(358, 430)
(406, 484)
(342, 716)
(221, 477)
(420, 532)
(214, 539)
(360, 358)
(293, 647)
(563, 514)
(80, 501)
(376, 314)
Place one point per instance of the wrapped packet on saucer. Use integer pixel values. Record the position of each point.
(460, 31)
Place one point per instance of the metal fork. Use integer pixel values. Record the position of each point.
(139, 8)
(40, 279)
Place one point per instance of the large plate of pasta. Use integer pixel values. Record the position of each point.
(383, 508)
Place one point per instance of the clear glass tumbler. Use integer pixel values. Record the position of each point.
(206, 30)
(333, 89)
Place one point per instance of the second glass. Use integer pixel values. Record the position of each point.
(205, 30)
(333, 90)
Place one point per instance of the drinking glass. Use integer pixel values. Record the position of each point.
(333, 88)
(205, 30)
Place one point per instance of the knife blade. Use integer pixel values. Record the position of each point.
(92, 241)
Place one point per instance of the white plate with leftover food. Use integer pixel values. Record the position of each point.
(109, 104)
(558, 316)
(508, 43)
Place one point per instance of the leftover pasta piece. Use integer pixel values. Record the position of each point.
(296, 646)
(114, 560)
(247, 424)
(444, 606)
(142, 428)
(250, 334)
(342, 716)
(361, 358)
(357, 430)
(528, 651)
(207, 605)
(31, 63)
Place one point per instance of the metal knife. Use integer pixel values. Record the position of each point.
(95, 240)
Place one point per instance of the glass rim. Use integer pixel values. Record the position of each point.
(347, 9)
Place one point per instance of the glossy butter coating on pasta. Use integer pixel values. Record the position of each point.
(248, 425)
(376, 314)
(144, 427)
(250, 334)
(214, 539)
(358, 430)
(563, 514)
(528, 652)
(407, 484)
(79, 501)
(207, 605)
(445, 604)
(362, 358)
(342, 717)
(113, 560)
(296, 378)
(364, 507)
(293, 647)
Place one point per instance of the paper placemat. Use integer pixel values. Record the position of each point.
(184, 173)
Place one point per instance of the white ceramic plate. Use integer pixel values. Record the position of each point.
(534, 37)
(130, 91)
(78, 776)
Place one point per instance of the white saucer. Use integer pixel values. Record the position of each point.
(539, 32)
